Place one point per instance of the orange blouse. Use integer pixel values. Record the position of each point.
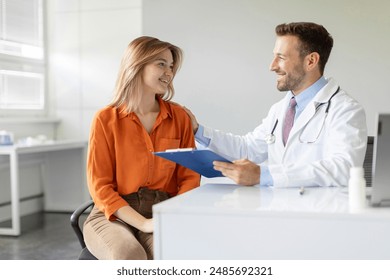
(121, 160)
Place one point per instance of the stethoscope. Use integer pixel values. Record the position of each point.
(270, 138)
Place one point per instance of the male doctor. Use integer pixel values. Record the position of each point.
(309, 138)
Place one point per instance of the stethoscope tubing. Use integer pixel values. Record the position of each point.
(270, 138)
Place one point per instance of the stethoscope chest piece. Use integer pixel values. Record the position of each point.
(270, 138)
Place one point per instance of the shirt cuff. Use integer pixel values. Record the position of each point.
(265, 176)
(204, 141)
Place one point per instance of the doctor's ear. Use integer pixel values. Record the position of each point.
(312, 60)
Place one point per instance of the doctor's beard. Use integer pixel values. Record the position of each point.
(291, 81)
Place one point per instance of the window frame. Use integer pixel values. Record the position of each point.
(36, 65)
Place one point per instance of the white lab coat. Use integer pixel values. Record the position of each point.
(341, 143)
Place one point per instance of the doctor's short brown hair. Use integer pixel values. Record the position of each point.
(313, 38)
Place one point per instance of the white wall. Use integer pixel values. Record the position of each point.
(86, 40)
(228, 46)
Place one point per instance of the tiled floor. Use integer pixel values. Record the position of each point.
(45, 236)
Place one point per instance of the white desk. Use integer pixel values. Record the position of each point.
(226, 221)
(64, 169)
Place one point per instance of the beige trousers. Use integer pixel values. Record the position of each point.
(116, 240)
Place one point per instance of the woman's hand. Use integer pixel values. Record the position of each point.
(147, 226)
(131, 217)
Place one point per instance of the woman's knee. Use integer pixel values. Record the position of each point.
(128, 251)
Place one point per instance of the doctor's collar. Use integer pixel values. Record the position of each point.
(308, 94)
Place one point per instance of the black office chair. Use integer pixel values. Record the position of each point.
(75, 222)
(368, 161)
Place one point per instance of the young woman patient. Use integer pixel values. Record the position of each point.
(125, 178)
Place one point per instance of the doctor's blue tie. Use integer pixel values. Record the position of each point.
(289, 119)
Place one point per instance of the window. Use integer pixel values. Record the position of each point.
(22, 60)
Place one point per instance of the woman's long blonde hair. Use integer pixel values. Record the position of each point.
(141, 51)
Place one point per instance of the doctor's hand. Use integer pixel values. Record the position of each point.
(195, 123)
(242, 171)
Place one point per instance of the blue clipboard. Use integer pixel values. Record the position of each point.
(200, 161)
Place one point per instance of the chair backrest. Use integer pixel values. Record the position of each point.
(368, 160)
(74, 220)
